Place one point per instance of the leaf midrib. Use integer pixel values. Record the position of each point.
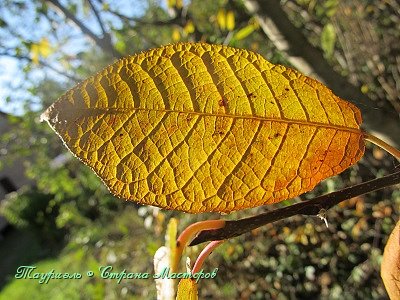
(249, 117)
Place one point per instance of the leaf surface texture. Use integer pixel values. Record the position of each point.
(187, 290)
(198, 127)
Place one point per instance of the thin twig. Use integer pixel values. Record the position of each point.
(103, 42)
(98, 18)
(43, 64)
(179, 20)
(133, 20)
(310, 207)
(70, 16)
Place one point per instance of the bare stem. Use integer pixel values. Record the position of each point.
(373, 139)
(103, 42)
(98, 18)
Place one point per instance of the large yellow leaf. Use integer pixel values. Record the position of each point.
(198, 127)
(390, 269)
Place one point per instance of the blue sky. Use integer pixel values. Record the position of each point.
(8, 75)
(12, 78)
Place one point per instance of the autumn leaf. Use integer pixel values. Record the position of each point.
(221, 19)
(179, 4)
(40, 49)
(390, 268)
(175, 3)
(176, 34)
(187, 290)
(244, 32)
(189, 27)
(230, 20)
(197, 127)
(328, 39)
(226, 20)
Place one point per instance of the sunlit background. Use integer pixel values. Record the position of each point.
(56, 214)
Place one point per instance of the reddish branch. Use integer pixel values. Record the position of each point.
(311, 207)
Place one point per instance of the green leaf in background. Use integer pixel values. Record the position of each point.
(328, 39)
(244, 32)
(120, 44)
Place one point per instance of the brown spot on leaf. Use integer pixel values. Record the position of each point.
(222, 102)
(216, 133)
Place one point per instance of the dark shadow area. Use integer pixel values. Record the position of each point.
(19, 248)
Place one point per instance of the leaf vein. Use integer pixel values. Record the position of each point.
(241, 160)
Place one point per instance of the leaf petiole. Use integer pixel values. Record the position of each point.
(385, 146)
(204, 254)
(190, 232)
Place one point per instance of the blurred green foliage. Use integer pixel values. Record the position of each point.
(34, 210)
(122, 242)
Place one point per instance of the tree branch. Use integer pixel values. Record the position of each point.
(179, 20)
(132, 20)
(99, 20)
(311, 207)
(103, 42)
(42, 63)
(310, 60)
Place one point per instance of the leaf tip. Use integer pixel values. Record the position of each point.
(50, 115)
(45, 116)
